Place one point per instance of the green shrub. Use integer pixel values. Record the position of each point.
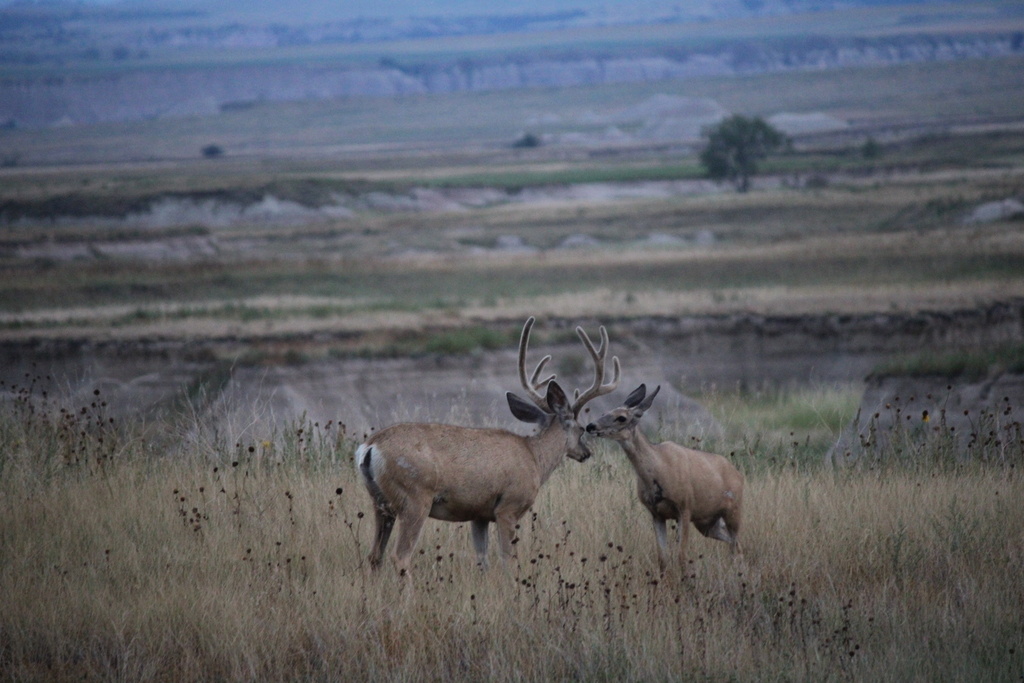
(967, 364)
(468, 340)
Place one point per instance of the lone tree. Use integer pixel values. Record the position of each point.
(736, 145)
(213, 151)
(527, 141)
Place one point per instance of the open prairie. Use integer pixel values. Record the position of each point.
(203, 314)
(248, 561)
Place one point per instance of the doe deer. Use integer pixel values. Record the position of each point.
(674, 482)
(459, 474)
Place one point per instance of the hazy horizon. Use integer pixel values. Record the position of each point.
(611, 10)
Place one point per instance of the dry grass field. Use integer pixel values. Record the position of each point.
(248, 561)
(169, 547)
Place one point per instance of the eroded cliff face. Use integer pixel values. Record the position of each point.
(152, 93)
(681, 354)
(903, 419)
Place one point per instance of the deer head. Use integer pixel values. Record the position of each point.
(554, 406)
(618, 423)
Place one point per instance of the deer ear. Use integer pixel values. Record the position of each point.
(646, 403)
(524, 411)
(633, 400)
(556, 399)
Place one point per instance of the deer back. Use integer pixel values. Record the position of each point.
(468, 467)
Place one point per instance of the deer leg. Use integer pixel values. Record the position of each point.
(660, 537)
(506, 523)
(408, 533)
(732, 524)
(478, 531)
(384, 524)
(684, 534)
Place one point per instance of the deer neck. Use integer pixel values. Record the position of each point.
(637, 448)
(548, 448)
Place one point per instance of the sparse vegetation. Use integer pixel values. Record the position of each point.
(770, 263)
(246, 560)
(466, 340)
(797, 424)
(966, 364)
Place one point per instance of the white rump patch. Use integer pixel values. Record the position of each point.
(376, 462)
(358, 457)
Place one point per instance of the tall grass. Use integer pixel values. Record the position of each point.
(246, 560)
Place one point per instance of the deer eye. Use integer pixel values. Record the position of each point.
(620, 419)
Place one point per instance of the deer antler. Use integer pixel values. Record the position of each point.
(598, 388)
(532, 386)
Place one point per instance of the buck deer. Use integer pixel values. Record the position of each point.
(673, 482)
(459, 474)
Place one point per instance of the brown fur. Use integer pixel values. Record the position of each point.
(457, 474)
(674, 482)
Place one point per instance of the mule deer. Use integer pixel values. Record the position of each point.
(673, 482)
(459, 474)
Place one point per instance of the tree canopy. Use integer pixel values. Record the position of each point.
(736, 145)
